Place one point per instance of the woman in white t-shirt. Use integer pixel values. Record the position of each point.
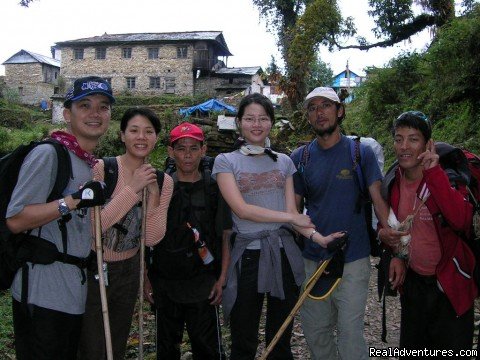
(257, 184)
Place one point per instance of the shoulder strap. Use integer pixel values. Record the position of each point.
(356, 154)
(304, 157)
(111, 175)
(160, 178)
(64, 169)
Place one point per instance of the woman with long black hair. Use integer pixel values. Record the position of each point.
(257, 184)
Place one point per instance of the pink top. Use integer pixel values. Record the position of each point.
(424, 249)
(123, 199)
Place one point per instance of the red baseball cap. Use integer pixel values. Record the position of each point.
(186, 129)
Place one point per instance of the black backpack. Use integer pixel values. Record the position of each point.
(176, 256)
(18, 249)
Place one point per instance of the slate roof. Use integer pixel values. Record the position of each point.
(114, 39)
(28, 57)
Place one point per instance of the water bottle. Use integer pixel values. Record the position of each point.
(203, 251)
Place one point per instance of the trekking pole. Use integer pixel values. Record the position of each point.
(142, 271)
(313, 279)
(101, 281)
(332, 246)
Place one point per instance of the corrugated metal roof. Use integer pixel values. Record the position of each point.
(26, 57)
(105, 39)
(247, 70)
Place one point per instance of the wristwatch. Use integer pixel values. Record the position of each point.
(311, 235)
(63, 208)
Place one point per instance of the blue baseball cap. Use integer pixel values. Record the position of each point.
(86, 86)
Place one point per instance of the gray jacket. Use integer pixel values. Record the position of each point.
(269, 267)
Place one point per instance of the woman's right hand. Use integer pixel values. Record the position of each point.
(302, 220)
(142, 177)
(324, 240)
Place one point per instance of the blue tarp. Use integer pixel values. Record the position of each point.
(208, 106)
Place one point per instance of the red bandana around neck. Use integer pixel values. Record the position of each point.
(71, 143)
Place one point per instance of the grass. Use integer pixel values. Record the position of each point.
(7, 351)
(6, 326)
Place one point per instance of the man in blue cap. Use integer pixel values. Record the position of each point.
(48, 306)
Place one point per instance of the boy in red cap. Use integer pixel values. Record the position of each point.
(189, 265)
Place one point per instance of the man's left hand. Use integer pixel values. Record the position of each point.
(430, 157)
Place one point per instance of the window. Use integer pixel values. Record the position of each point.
(100, 53)
(56, 90)
(170, 85)
(154, 82)
(181, 52)
(127, 53)
(130, 83)
(153, 53)
(20, 90)
(78, 54)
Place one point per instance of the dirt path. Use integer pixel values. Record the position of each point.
(373, 327)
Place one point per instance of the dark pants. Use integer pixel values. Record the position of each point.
(428, 319)
(44, 334)
(203, 328)
(122, 292)
(246, 312)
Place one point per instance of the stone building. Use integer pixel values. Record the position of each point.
(145, 63)
(34, 76)
(224, 81)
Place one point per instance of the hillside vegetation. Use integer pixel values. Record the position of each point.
(443, 82)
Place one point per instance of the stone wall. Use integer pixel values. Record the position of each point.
(28, 80)
(30, 73)
(57, 110)
(117, 68)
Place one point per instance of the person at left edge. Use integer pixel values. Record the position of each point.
(139, 129)
(48, 327)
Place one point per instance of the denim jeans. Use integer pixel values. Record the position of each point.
(345, 308)
(246, 312)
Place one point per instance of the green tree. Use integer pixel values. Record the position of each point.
(443, 82)
(301, 26)
(395, 19)
(319, 74)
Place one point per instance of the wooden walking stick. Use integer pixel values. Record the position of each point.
(335, 244)
(101, 281)
(142, 273)
(316, 275)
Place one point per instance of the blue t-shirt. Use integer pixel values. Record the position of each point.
(329, 185)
